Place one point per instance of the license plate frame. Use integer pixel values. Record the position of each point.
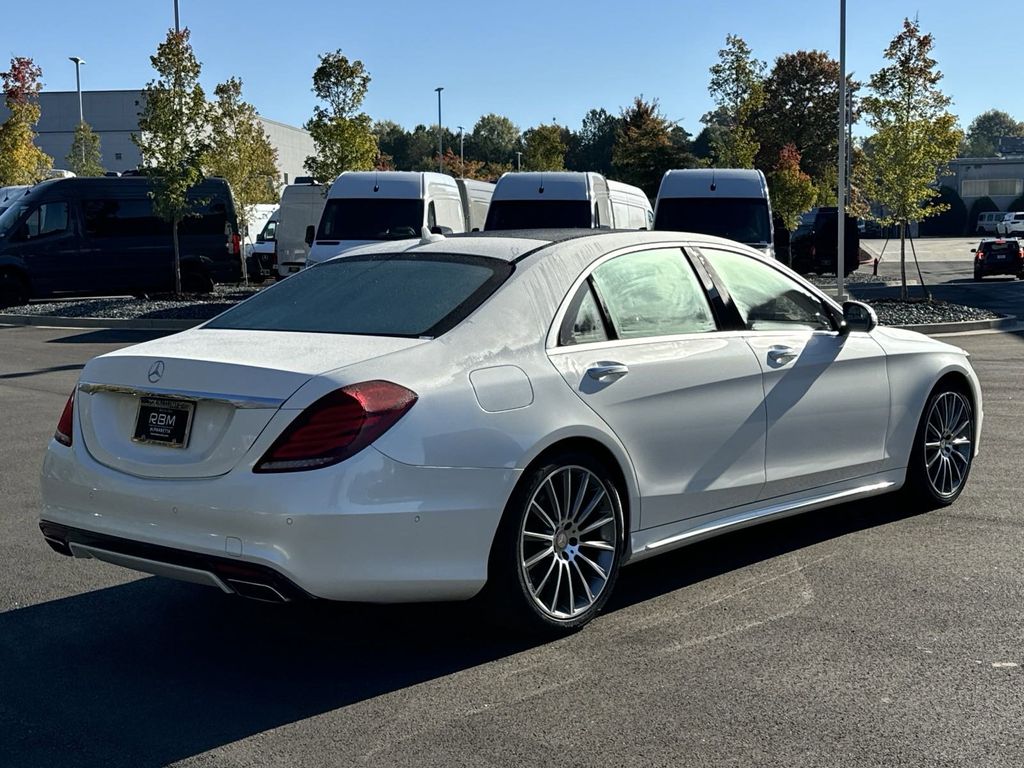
(158, 421)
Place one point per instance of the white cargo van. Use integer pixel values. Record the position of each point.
(262, 259)
(301, 207)
(566, 199)
(476, 200)
(728, 202)
(370, 206)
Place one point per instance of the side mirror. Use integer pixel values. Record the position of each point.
(858, 316)
(974, 250)
(310, 234)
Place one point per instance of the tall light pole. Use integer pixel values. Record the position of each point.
(440, 144)
(841, 186)
(177, 26)
(462, 153)
(78, 85)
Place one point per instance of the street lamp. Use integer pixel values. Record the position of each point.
(440, 147)
(79, 61)
(177, 26)
(841, 186)
(78, 83)
(462, 153)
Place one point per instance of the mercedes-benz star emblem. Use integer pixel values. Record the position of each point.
(156, 371)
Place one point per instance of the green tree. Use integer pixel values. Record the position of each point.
(737, 88)
(241, 152)
(21, 161)
(952, 221)
(792, 190)
(590, 148)
(343, 136)
(646, 146)
(495, 139)
(799, 108)
(914, 138)
(544, 149)
(986, 129)
(85, 158)
(173, 126)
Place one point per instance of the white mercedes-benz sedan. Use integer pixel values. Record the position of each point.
(521, 414)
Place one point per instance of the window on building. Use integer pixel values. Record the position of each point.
(117, 155)
(991, 187)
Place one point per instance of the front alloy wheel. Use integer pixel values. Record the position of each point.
(948, 444)
(943, 450)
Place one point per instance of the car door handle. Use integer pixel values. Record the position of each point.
(781, 355)
(605, 372)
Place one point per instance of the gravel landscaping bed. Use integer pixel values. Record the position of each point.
(923, 311)
(205, 306)
(856, 278)
(156, 307)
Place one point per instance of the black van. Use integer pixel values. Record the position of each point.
(100, 236)
(814, 247)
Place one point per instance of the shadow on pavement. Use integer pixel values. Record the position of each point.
(41, 371)
(112, 336)
(154, 671)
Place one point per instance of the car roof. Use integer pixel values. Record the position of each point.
(516, 245)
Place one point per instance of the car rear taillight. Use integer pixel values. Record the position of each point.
(65, 426)
(337, 426)
(236, 244)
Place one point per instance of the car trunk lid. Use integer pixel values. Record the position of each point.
(192, 405)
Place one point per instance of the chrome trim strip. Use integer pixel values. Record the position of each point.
(775, 510)
(182, 394)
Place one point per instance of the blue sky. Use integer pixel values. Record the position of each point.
(530, 60)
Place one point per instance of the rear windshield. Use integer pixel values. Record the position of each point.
(744, 219)
(538, 214)
(375, 295)
(370, 219)
(1004, 246)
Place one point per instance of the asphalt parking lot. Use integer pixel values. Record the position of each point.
(860, 635)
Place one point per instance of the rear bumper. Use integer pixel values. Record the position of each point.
(1006, 267)
(370, 529)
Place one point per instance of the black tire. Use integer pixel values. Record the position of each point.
(978, 276)
(13, 291)
(922, 488)
(531, 598)
(195, 281)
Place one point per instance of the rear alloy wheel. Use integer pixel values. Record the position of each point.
(943, 449)
(560, 547)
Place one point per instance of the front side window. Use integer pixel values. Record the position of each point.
(765, 298)
(47, 219)
(653, 293)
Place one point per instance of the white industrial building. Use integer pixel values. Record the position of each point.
(114, 116)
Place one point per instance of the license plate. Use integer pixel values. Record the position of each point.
(1000, 256)
(164, 421)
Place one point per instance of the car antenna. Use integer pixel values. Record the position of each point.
(426, 236)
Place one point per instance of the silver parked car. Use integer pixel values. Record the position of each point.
(523, 413)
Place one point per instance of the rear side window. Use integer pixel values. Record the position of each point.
(122, 218)
(378, 295)
(653, 293)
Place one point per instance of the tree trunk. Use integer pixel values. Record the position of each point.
(177, 258)
(903, 260)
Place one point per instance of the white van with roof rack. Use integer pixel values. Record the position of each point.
(370, 206)
(727, 202)
(566, 199)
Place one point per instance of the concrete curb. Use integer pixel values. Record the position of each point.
(137, 324)
(995, 324)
